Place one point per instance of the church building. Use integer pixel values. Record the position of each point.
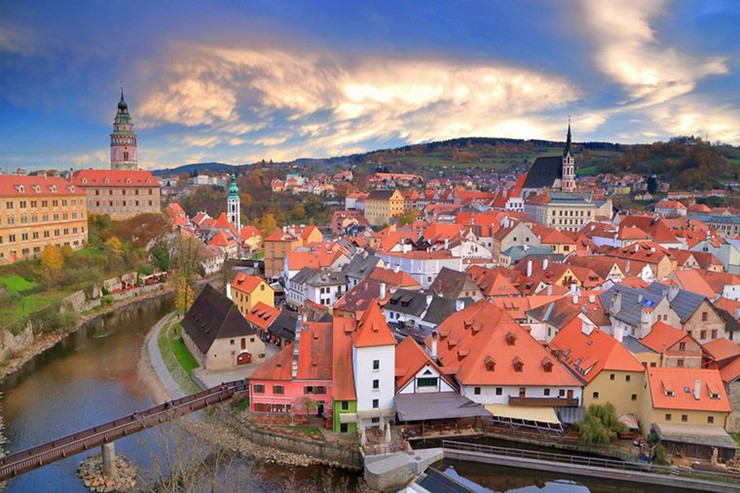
(552, 172)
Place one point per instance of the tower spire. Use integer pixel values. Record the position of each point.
(121, 90)
(566, 151)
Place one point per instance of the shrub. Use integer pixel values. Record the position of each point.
(106, 300)
(660, 455)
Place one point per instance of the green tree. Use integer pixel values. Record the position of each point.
(600, 425)
(67, 252)
(267, 224)
(408, 217)
(299, 212)
(161, 257)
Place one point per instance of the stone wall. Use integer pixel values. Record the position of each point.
(10, 342)
(329, 454)
(74, 302)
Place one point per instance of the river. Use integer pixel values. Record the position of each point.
(91, 377)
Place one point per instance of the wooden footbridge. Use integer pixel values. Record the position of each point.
(60, 448)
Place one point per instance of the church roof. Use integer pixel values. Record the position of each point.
(544, 172)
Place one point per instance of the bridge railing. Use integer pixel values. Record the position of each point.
(38, 455)
(588, 461)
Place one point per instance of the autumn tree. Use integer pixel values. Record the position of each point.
(52, 262)
(267, 224)
(299, 212)
(408, 217)
(114, 245)
(66, 252)
(184, 294)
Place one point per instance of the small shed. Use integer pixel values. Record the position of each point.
(695, 441)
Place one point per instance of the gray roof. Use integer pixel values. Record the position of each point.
(710, 436)
(544, 172)
(518, 252)
(408, 302)
(441, 308)
(449, 283)
(326, 277)
(685, 303)
(302, 276)
(437, 405)
(631, 305)
(361, 265)
(634, 346)
(214, 316)
(284, 325)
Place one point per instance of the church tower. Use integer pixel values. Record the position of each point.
(233, 212)
(123, 139)
(568, 182)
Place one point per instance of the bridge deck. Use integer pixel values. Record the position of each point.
(46, 453)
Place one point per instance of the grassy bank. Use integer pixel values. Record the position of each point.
(176, 356)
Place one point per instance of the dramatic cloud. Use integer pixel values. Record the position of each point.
(335, 105)
(628, 51)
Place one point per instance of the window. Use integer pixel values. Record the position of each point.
(376, 364)
(703, 334)
(321, 390)
(426, 382)
(278, 389)
(596, 395)
(376, 403)
(710, 420)
(308, 390)
(611, 377)
(714, 333)
(684, 418)
(376, 384)
(259, 388)
(668, 417)
(682, 346)
(345, 405)
(679, 363)
(476, 390)
(375, 421)
(634, 397)
(627, 378)
(704, 316)
(547, 392)
(343, 428)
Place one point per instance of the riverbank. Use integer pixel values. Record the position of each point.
(162, 387)
(44, 342)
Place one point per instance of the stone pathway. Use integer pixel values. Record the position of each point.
(158, 365)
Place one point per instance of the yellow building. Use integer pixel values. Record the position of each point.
(246, 291)
(609, 371)
(283, 241)
(383, 205)
(685, 396)
(38, 211)
(119, 193)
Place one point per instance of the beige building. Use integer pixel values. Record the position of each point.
(217, 335)
(570, 211)
(383, 205)
(38, 211)
(283, 241)
(121, 194)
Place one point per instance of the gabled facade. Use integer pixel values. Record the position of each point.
(247, 291)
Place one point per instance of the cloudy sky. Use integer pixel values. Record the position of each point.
(238, 81)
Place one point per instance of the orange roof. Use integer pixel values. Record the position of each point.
(321, 257)
(398, 279)
(721, 349)
(693, 280)
(483, 336)
(173, 210)
(314, 357)
(668, 389)
(249, 232)
(372, 329)
(114, 178)
(588, 355)
(343, 382)
(410, 359)
(518, 306)
(555, 237)
(731, 371)
(437, 231)
(663, 337)
(262, 315)
(220, 239)
(246, 283)
(11, 185)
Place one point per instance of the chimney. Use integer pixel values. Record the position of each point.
(545, 263)
(434, 345)
(549, 290)
(627, 267)
(575, 298)
(586, 327)
(672, 292)
(529, 268)
(447, 244)
(396, 268)
(697, 389)
(228, 290)
(459, 305)
(592, 298)
(616, 303)
(382, 290)
(619, 333)
(429, 299)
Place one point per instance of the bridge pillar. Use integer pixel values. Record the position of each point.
(109, 460)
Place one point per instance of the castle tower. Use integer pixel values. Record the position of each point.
(123, 139)
(233, 212)
(568, 182)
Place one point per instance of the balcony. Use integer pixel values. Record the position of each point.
(543, 401)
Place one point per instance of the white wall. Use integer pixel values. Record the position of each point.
(362, 365)
(488, 393)
(411, 388)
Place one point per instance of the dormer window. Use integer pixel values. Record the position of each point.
(148, 180)
(106, 180)
(547, 365)
(518, 364)
(510, 339)
(36, 188)
(490, 363)
(53, 188)
(128, 180)
(20, 188)
(84, 180)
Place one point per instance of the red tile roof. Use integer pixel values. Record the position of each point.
(314, 357)
(479, 334)
(11, 186)
(398, 279)
(588, 355)
(343, 383)
(220, 239)
(663, 337)
(114, 178)
(246, 283)
(721, 349)
(668, 389)
(372, 329)
(262, 315)
(410, 359)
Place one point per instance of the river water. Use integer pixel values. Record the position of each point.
(91, 377)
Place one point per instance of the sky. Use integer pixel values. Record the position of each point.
(239, 81)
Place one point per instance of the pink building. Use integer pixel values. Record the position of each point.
(300, 373)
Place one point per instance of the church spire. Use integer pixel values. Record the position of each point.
(123, 138)
(566, 151)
